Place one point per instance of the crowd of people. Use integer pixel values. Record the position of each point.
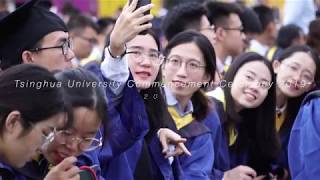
(211, 90)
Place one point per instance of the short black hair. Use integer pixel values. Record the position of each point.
(313, 39)
(79, 22)
(219, 12)
(250, 21)
(265, 14)
(182, 17)
(103, 23)
(287, 34)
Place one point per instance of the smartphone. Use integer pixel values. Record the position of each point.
(142, 3)
(88, 173)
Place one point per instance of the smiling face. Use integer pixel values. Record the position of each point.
(250, 85)
(295, 74)
(142, 64)
(184, 70)
(86, 125)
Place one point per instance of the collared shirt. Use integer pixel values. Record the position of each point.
(172, 101)
(220, 65)
(280, 116)
(256, 46)
(182, 117)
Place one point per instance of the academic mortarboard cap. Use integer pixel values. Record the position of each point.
(23, 28)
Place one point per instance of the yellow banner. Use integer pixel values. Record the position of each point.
(110, 7)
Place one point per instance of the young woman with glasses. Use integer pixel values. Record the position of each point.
(89, 113)
(189, 67)
(137, 109)
(297, 71)
(29, 116)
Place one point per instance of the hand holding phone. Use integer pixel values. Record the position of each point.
(88, 173)
(140, 4)
(65, 170)
(130, 23)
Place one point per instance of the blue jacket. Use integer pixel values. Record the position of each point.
(199, 142)
(304, 143)
(221, 152)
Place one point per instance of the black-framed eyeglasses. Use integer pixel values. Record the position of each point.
(64, 47)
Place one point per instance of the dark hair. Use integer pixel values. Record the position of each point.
(33, 91)
(256, 131)
(69, 9)
(313, 39)
(182, 17)
(219, 12)
(103, 23)
(265, 14)
(90, 96)
(250, 21)
(293, 104)
(156, 108)
(79, 22)
(287, 34)
(198, 99)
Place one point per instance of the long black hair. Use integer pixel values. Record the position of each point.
(199, 99)
(33, 91)
(256, 126)
(154, 100)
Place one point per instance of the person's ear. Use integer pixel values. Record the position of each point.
(27, 57)
(220, 33)
(276, 65)
(13, 122)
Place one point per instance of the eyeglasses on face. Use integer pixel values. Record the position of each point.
(64, 47)
(138, 56)
(84, 144)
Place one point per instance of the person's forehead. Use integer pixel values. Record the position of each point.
(259, 69)
(55, 37)
(234, 19)
(143, 41)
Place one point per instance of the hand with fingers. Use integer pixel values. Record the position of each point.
(66, 170)
(168, 137)
(130, 23)
(241, 173)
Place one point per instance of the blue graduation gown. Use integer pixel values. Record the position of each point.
(8, 173)
(304, 144)
(284, 140)
(199, 142)
(128, 124)
(221, 152)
